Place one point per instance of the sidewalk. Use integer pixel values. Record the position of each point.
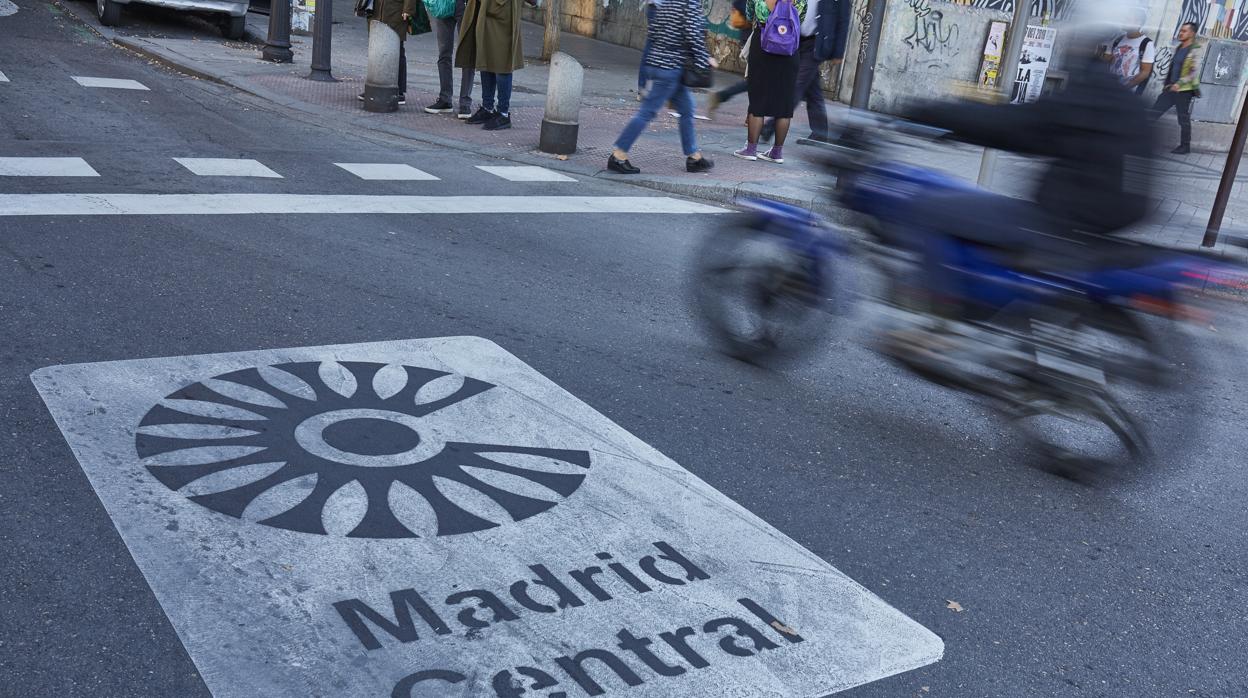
(608, 102)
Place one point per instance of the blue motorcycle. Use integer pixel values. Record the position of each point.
(1044, 347)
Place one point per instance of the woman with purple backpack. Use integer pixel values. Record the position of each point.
(772, 63)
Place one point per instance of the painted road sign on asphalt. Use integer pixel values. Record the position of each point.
(435, 518)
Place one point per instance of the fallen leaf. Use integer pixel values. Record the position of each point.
(954, 606)
(783, 628)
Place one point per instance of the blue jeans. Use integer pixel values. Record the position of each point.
(496, 83)
(665, 86)
(642, 70)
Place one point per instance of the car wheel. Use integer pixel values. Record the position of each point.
(234, 27)
(109, 12)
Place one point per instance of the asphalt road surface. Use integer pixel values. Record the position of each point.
(918, 494)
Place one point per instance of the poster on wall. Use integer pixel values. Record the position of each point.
(1033, 64)
(990, 65)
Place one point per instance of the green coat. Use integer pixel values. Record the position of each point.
(489, 37)
(1189, 77)
(391, 12)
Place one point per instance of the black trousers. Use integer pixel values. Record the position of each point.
(1182, 103)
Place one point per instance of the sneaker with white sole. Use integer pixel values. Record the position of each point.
(770, 158)
(439, 107)
(746, 153)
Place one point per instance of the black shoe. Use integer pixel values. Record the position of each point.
(621, 166)
(440, 107)
(483, 115)
(402, 98)
(465, 112)
(702, 164)
(497, 123)
(1182, 150)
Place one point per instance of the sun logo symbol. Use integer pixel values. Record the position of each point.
(353, 435)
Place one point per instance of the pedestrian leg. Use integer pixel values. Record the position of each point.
(446, 47)
(683, 101)
(488, 84)
(502, 83)
(817, 112)
(1165, 100)
(402, 71)
(466, 74)
(663, 85)
(1183, 105)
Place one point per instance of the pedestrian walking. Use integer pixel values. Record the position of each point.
(393, 13)
(737, 20)
(1131, 56)
(642, 80)
(447, 29)
(773, 66)
(489, 40)
(825, 30)
(1182, 85)
(677, 39)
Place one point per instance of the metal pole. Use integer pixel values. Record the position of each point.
(322, 36)
(277, 45)
(1009, 75)
(872, 19)
(1228, 178)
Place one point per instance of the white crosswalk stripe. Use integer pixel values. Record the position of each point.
(238, 204)
(3, 77)
(525, 173)
(386, 171)
(46, 167)
(227, 167)
(111, 83)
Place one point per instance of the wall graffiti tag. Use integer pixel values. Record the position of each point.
(1056, 9)
(931, 32)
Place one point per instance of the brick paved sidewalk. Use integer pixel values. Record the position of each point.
(609, 100)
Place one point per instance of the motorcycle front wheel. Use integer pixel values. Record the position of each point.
(760, 300)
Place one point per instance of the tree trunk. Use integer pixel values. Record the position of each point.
(550, 40)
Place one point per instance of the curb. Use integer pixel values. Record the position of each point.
(718, 192)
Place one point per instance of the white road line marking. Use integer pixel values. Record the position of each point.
(234, 204)
(227, 167)
(3, 77)
(111, 83)
(422, 517)
(525, 173)
(386, 171)
(46, 167)
(7, 8)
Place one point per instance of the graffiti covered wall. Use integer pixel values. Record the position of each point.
(925, 45)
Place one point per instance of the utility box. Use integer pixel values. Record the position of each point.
(1221, 81)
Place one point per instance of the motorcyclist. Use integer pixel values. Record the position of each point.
(1095, 136)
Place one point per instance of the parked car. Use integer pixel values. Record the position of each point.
(231, 15)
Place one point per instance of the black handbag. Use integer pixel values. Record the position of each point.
(693, 76)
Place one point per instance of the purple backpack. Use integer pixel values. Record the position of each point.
(782, 30)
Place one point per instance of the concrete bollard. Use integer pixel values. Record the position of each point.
(381, 84)
(561, 123)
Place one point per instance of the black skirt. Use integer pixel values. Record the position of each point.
(772, 81)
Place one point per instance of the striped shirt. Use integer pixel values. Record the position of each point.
(678, 30)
